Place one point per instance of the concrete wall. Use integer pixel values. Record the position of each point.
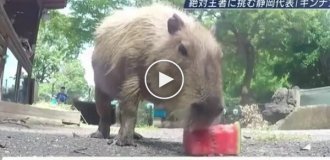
(307, 117)
(315, 96)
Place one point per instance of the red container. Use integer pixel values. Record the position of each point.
(221, 140)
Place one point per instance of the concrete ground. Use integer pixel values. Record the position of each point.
(16, 140)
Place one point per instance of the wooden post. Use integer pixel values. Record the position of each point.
(2, 68)
(32, 91)
(2, 2)
(3, 51)
(30, 87)
(17, 81)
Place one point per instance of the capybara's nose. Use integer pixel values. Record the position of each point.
(214, 104)
(211, 106)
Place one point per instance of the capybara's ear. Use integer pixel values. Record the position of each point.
(174, 24)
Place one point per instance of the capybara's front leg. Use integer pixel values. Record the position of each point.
(105, 113)
(136, 136)
(128, 117)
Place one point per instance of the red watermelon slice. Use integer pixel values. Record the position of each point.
(221, 139)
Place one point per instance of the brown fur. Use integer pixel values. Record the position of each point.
(127, 42)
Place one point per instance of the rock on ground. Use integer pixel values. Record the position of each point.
(282, 104)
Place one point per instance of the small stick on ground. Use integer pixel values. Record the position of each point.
(111, 142)
(79, 150)
(74, 135)
(14, 121)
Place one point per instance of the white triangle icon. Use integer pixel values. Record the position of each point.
(163, 79)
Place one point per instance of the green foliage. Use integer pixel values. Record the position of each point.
(70, 75)
(56, 63)
(55, 45)
(304, 49)
(86, 14)
(265, 82)
(288, 45)
(45, 92)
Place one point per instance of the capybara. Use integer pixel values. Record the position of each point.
(128, 41)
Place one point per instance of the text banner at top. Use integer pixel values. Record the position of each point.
(257, 4)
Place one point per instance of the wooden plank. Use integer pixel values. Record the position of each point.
(2, 41)
(54, 4)
(14, 44)
(20, 109)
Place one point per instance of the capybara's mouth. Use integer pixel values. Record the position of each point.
(202, 123)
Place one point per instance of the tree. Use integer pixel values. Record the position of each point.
(55, 45)
(278, 46)
(309, 49)
(86, 14)
(71, 76)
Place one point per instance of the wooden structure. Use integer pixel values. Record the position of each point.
(18, 111)
(19, 23)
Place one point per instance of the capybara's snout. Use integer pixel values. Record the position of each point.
(211, 106)
(205, 112)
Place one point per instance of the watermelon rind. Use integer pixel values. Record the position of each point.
(238, 129)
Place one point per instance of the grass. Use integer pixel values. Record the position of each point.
(146, 128)
(282, 137)
(273, 136)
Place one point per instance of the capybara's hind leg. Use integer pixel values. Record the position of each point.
(105, 113)
(128, 117)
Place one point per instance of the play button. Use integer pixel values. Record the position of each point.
(164, 79)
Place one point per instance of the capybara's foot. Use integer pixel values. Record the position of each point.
(137, 136)
(126, 142)
(99, 135)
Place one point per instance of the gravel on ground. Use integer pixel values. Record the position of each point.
(48, 141)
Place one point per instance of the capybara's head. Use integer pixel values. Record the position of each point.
(194, 48)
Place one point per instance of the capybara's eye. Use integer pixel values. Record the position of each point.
(183, 50)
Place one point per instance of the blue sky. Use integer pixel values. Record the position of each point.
(10, 69)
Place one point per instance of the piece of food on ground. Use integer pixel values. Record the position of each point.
(221, 139)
